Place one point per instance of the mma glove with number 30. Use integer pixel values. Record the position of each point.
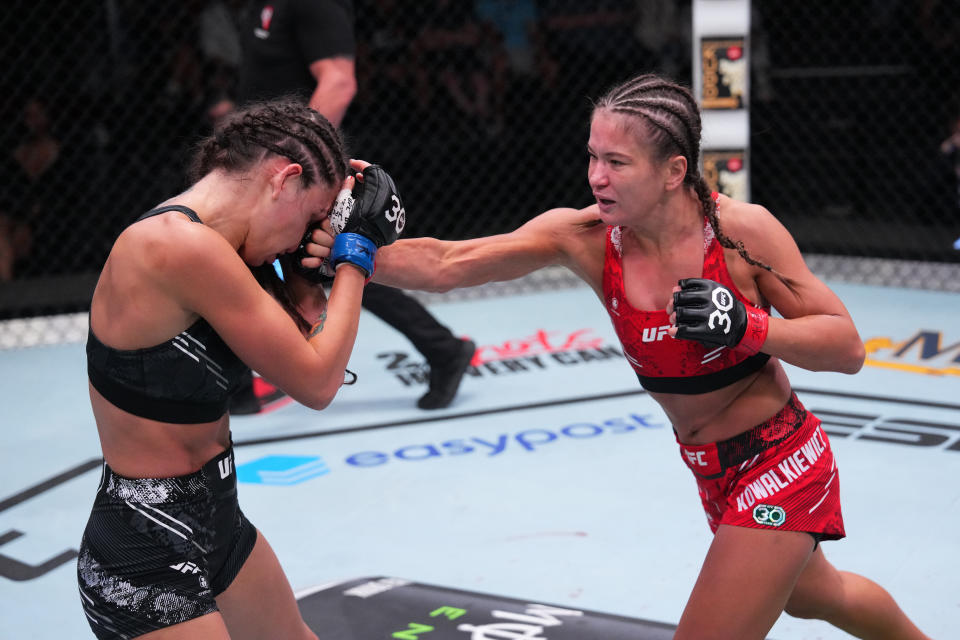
(709, 313)
(377, 212)
(363, 220)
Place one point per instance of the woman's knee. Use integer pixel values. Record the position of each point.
(804, 606)
(818, 591)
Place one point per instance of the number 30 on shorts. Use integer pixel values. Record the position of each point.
(770, 516)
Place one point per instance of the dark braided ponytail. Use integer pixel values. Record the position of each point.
(669, 118)
(290, 129)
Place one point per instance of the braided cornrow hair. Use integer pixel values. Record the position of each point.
(285, 127)
(290, 129)
(670, 119)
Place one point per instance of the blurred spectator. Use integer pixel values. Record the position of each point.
(385, 32)
(761, 80)
(521, 65)
(938, 87)
(33, 184)
(950, 149)
(940, 23)
(594, 35)
(15, 241)
(663, 33)
(450, 45)
(513, 24)
(220, 48)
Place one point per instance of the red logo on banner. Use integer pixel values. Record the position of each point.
(540, 342)
(266, 15)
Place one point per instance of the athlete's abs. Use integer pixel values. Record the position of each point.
(724, 413)
(137, 447)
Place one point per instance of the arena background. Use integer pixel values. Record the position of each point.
(851, 104)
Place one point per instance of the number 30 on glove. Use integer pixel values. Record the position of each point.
(709, 313)
(377, 212)
(374, 218)
(363, 220)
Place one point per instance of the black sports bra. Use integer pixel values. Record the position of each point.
(187, 379)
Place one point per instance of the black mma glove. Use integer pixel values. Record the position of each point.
(709, 313)
(373, 212)
(377, 212)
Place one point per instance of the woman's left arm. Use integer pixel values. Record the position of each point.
(815, 331)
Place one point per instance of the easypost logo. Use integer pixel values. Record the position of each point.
(526, 441)
(289, 470)
(282, 470)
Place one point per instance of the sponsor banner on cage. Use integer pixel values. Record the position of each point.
(725, 170)
(725, 72)
(926, 352)
(543, 349)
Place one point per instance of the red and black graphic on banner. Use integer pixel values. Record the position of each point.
(541, 350)
(725, 170)
(725, 72)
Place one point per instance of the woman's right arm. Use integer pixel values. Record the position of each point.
(207, 277)
(428, 264)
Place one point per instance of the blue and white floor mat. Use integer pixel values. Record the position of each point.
(551, 480)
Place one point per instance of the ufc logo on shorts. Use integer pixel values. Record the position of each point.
(397, 214)
(695, 458)
(723, 302)
(226, 466)
(185, 567)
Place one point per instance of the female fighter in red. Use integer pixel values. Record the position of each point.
(688, 278)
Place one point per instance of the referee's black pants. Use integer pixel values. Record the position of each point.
(404, 313)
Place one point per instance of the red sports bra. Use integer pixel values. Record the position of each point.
(664, 364)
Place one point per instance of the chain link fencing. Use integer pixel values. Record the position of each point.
(855, 125)
(479, 108)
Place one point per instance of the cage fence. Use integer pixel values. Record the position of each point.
(854, 140)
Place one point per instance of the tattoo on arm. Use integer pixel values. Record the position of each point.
(318, 325)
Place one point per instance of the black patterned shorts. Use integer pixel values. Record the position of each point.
(157, 551)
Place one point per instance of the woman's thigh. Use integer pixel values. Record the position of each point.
(259, 603)
(208, 627)
(744, 583)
